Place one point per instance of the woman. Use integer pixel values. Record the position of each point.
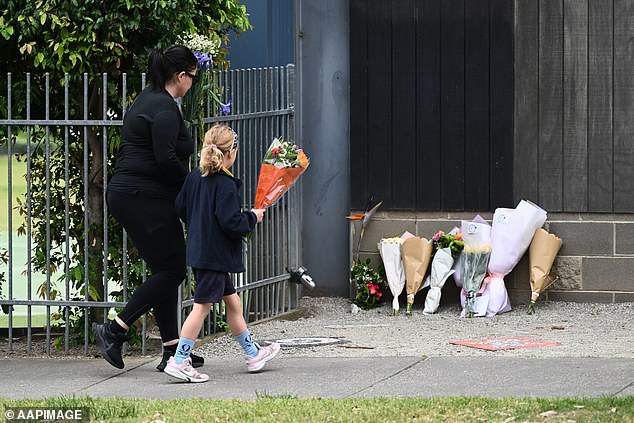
(151, 167)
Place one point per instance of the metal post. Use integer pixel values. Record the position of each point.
(323, 62)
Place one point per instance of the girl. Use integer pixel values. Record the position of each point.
(209, 203)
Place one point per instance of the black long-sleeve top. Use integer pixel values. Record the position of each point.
(155, 147)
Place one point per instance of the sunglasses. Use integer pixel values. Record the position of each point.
(192, 76)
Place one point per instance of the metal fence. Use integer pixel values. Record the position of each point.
(36, 301)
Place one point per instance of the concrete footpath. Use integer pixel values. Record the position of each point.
(325, 377)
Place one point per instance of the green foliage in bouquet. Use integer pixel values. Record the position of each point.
(454, 242)
(283, 153)
(369, 285)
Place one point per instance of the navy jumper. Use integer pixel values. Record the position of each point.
(211, 208)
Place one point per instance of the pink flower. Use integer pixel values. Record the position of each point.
(373, 289)
(274, 151)
(438, 235)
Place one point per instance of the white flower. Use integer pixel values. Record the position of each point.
(200, 43)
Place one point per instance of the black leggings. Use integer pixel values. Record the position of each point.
(157, 233)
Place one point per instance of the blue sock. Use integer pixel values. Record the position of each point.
(247, 343)
(183, 350)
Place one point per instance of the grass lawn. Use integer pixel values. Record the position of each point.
(18, 183)
(289, 409)
(19, 321)
(18, 170)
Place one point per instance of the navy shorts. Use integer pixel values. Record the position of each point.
(211, 286)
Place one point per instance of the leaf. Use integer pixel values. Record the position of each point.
(93, 294)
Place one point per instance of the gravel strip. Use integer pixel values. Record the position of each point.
(582, 329)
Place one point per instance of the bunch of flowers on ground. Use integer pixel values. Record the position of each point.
(452, 241)
(447, 248)
(368, 282)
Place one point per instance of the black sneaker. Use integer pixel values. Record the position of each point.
(197, 361)
(109, 343)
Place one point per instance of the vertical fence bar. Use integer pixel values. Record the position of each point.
(104, 170)
(144, 269)
(9, 209)
(273, 216)
(86, 256)
(294, 209)
(29, 308)
(48, 216)
(124, 278)
(66, 219)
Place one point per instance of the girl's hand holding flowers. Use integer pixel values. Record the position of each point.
(259, 214)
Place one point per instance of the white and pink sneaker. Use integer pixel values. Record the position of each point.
(185, 371)
(256, 363)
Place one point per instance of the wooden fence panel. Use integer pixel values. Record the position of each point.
(404, 144)
(600, 98)
(501, 115)
(379, 55)
(551, 101)
(526, 163)
(436, 117)
(477, 105)
(623, 164)
(575, 90)
(359, 150)
(452, 130)
(428, 51)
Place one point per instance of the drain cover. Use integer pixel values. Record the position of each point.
(309, 342)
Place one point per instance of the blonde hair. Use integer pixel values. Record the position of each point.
(218, 141)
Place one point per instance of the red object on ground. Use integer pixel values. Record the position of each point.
(495, 344)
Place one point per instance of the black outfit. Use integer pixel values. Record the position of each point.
(151, 167)
(210, 206)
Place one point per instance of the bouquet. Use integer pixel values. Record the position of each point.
(511, 234)
(476, 235)
(448, 247)
(541, 255)
(475, 260)
(416, 255)
(390, 250)
(282, 165)
(368, 283)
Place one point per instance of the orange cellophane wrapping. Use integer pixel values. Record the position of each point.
(274, 182)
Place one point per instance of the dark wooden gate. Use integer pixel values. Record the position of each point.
(431, 99)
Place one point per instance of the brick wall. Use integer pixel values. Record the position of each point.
(595, 263)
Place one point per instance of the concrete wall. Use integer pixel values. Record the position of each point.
(595, 263)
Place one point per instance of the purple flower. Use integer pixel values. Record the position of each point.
(204, 59)
(225, 109)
